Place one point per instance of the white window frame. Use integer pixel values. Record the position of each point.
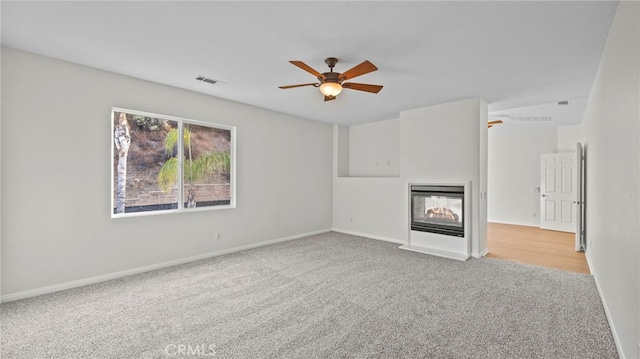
(179, 182)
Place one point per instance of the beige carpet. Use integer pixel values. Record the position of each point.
(326, 296)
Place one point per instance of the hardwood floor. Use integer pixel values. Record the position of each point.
(537, 246)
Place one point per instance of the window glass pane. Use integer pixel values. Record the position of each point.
(144, 179)
(207, 166)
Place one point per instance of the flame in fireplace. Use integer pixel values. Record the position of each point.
(442, 214)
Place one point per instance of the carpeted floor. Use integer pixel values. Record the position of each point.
(326, 296)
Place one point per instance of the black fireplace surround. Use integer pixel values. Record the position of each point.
(438, 209)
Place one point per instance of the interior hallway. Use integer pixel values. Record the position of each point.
(532, 245)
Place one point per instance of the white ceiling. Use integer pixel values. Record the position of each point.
(517, 55)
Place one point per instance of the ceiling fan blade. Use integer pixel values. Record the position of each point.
(362, 87)
(364, 68)
(329, 98)
(307, 68)
(300, 85)
(493, 123)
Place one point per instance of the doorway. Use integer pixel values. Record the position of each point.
(515, 192)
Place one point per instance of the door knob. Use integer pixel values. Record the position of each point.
(543, 195)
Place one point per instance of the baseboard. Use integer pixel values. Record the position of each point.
(606, 308)
(367, 235)
(102, 278)
(535, 225)
(481, 254)
(586, 255)
(435, 252)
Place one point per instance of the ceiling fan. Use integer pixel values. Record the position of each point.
(331, 83)
(493, 123)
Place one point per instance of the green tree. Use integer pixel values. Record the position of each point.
(195, 169)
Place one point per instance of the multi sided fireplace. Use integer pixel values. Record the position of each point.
(438, 209)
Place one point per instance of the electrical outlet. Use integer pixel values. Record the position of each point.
(218, 236)
(534, 214)
(351, 220)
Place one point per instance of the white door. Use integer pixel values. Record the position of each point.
(558, 192)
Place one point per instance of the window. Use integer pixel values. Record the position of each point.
(166, 164)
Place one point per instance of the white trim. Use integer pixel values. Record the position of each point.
(101, 278)
(586, 254)
(435, 252)
(537, 225)
(367, 235)
(481, 254)
(616, 339)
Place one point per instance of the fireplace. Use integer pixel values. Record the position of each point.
(438, 209)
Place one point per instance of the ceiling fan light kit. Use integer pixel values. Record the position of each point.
(332, 83)
(330, 89)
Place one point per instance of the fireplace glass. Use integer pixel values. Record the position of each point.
(438, 209)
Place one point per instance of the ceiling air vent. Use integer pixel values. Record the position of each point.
(563, 103)
(208, 80)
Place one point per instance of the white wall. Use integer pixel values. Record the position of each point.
(374, 149)
(445, 143)
(612, 122)
(56, 163)
(436, 144)
(569, 136)
(0, 185)
(514, 172)
(341, 150)
(368, 199)
(483, 181)
(374, 207)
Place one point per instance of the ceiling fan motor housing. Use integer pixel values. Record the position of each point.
(329, 77)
